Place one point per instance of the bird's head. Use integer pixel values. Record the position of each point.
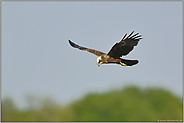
(99, 61)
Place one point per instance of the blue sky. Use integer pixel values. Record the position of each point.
(38, 60)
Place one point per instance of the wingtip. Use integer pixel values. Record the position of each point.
(130, 34)
(70, 42)
(73, 44)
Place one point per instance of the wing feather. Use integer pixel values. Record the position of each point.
(134, 35)
(130, 34)
(124, 36)
(125, 46)
(96, 52)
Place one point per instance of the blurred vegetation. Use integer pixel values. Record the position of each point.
(129, 104)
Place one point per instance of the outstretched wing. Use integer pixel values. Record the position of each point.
(125, 45)
(96, 52)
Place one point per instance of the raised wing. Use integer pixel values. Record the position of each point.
(96, 52)
(125, 45)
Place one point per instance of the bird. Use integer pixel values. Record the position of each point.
(124, 47)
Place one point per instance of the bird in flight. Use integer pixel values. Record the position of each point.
(118, 50)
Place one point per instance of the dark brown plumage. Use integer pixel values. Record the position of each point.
(122, 48)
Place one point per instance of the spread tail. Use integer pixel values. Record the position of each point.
(126, 62)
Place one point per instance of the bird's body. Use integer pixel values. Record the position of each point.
(122, 48)
(106, 59)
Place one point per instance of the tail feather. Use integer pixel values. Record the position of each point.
(129, 62)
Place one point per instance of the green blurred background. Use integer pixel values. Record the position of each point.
(128, 104)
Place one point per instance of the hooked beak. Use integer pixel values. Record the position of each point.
(98, 65)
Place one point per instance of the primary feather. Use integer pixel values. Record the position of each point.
(124, 46)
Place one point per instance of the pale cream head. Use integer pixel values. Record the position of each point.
(99, 61)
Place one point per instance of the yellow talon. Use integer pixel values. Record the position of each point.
(123, 64)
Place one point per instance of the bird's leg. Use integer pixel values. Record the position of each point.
(123, 64)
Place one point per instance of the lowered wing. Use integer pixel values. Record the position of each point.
(96, 52)
(125, 45)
